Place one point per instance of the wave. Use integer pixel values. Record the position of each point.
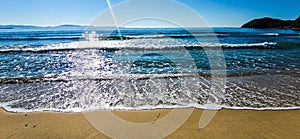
(82, 95)
(119, 45)
(185, 36)
(258, 35)
(264, 45)
(155, 36)
(8, 108)
(177, 35)
(56, 78)
(270, 34)
(22, 80)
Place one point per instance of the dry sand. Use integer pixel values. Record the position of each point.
(226, 124)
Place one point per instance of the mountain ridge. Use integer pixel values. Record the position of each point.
(32, 26)
(273, 23)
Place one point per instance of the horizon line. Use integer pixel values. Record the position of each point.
(85, 25)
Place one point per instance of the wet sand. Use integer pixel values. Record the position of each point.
(226, 124)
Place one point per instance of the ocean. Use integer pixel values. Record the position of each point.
(74, 69)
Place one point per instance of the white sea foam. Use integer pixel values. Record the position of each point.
(270, 34)
(90, 95)
(196, 106)
(131, 44)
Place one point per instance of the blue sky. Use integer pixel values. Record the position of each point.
(218, 13)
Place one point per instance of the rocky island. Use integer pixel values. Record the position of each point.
(273, 23)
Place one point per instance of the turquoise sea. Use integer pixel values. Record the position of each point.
(74, 69)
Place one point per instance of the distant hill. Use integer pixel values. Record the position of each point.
(67, 26)
(14, 26)
(296, 23)
(273, 23)
(33, 27)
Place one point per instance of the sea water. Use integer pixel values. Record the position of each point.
(71, 70)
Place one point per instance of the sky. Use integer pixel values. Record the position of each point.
(217, 13)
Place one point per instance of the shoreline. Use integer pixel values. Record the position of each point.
(219, 108)
(227, 123)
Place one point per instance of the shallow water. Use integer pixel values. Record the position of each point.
(60, 70)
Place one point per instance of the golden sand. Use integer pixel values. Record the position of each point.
(226, 124)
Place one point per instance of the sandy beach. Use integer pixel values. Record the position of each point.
(226, 124)
(138, 69)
